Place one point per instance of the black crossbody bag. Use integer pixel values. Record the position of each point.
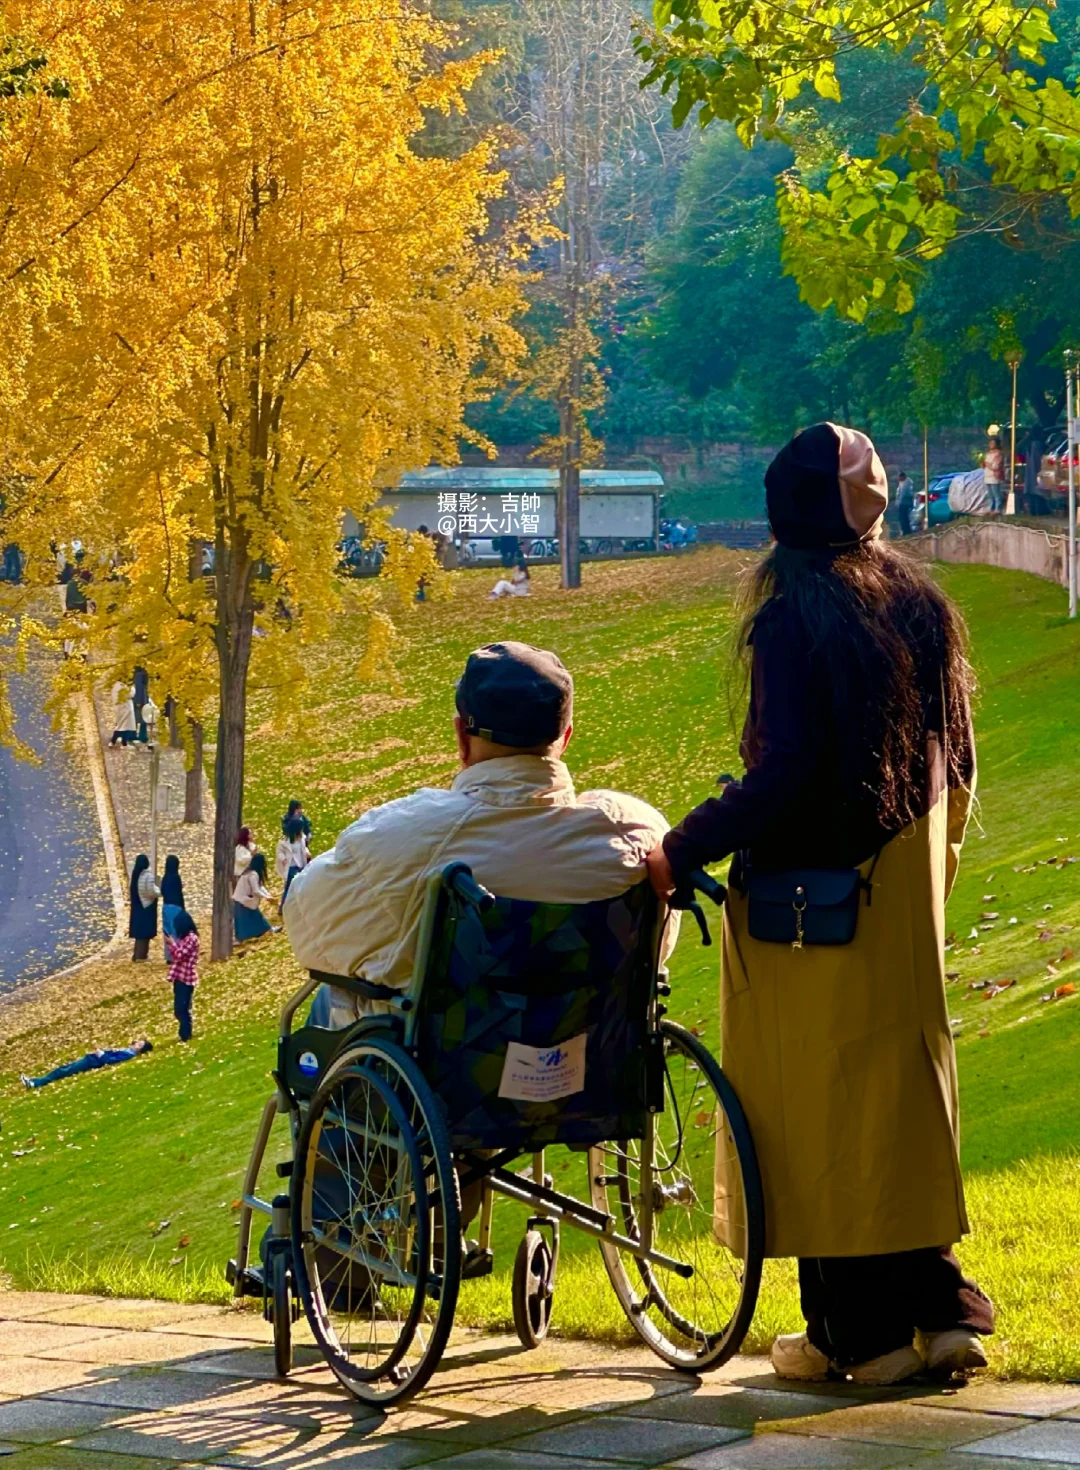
(806, 905)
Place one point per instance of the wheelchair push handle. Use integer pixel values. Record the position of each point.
(459, 879)
(698, 881)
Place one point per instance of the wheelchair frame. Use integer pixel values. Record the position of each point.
(546, 1205)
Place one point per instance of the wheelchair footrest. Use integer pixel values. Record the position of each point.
(476, 1263)
(251, 1283)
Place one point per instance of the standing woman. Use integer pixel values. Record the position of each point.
(172, 901)
(245, 851)
(860, 778)
(123, 696)
(250, 890)
(143, 894)
(292, 855)
(296, 810)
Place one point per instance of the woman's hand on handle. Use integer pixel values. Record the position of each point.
(659, 869)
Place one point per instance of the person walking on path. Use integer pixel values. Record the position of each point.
(244, 851)
(860, 779)
(172, 901)
(123, 696)
(143, 893)
(93, 1061)
(183, 971)
(994, 476)
(248, 920)
(905, 502)
(292, 855)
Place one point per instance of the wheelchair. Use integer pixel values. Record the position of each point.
(524, 1026)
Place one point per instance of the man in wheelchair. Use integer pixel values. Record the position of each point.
(511, 813)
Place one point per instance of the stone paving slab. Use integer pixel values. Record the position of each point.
(1055, 1439)
(103, 1385)
(912, 1425)
(629, 1441)
(800, 1452)
(56, 1457)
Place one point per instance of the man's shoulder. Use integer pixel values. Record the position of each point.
(420, 813)
(625, 810)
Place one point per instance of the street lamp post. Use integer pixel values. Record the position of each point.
(926, 477)
(1013, 360)
(150, 715)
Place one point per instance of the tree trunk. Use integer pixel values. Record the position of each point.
(193, 784)
(230, 789)
(175, 742)
(570, 519)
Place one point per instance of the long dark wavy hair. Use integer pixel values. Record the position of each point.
(891, 650)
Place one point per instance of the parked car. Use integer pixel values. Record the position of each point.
(1053, 476)
(939, 501)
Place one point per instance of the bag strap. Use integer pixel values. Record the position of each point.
(868, 882)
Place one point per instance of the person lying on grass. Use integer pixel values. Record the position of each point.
(91, 1062)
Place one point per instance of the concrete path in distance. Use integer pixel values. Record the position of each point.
(91, 1384)
(55, 901)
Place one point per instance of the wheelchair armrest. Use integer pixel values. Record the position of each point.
(367, 989)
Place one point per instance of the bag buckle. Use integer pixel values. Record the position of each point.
(799, 905)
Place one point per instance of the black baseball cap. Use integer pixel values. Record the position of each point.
(515, 694)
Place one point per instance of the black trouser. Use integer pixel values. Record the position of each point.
(182, 996)
(859, 1307)
(903, 515)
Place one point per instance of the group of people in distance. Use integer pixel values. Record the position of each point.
(859, 758)
(249, 871)
(180, 934)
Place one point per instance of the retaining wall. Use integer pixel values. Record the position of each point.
(999, 544)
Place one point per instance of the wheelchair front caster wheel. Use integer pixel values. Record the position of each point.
(532, 1290)
(281, 1290)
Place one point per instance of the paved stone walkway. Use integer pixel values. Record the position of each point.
(88, 1384)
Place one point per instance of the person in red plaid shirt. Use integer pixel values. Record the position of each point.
(183, 971)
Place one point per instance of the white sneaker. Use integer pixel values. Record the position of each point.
(955, 1351)
(891, 1367)
(795, 1356)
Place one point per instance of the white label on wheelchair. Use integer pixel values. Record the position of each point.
(543, 1074)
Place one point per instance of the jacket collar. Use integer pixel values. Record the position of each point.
(518, 780)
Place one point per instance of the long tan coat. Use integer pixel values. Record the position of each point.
(843, 1060)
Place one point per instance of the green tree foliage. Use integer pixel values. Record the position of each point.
(725, 319)
(859, 224)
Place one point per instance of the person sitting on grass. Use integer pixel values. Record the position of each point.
(517, 586)
(183, 970)
(93, 1061)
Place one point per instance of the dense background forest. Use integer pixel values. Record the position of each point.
(663, 316)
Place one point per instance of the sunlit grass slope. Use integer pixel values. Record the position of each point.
(92, 1169)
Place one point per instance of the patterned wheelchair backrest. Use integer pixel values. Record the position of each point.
(530, 998)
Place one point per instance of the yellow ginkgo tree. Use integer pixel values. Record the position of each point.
(244, 300)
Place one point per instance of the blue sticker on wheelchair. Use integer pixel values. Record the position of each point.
(308, 1063)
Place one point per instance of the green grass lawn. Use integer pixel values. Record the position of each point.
(125, 1181)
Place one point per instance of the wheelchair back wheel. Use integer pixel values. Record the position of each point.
(698, 1169)
(376, 1222)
